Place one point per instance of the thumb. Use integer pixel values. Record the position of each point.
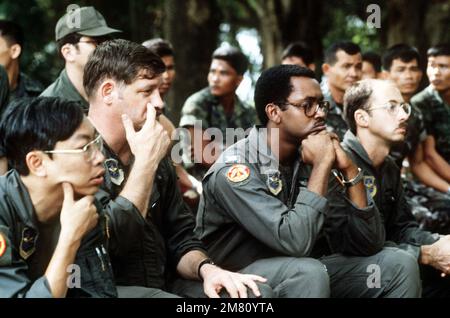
(68, 193)
(128, 125)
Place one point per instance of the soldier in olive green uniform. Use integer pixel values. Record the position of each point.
(41, 243)
(377, 117)
(218, 106)
(76, 42)
(21, 85)
(261, 209)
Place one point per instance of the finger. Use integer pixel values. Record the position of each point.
(230, 288)
(256, 278)
(241, 288)
(334, 136)
(151, 116)
(68, 193)
(253, 286)
(128, 125)
(210, 291)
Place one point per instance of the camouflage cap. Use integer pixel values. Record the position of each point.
(85, 21)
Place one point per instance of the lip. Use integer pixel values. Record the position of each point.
(318, 128)
(98, 178)
(401, 130)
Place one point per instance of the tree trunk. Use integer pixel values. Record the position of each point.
(192, 26)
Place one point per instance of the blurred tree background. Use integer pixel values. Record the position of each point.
(197, 27)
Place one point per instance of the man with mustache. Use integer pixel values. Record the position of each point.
(271, 202)
(122, 79)
(377, 116)
(51, 227)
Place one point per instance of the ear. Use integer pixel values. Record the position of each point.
(361, 118)
(239, 80)
(15, 50)
(35, 163)
(312, 67)
(325, 68)
(273, 113)
(107, 91)
(68, 52)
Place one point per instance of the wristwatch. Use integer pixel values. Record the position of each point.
(349, 183)
(205, 261)
(355, 180)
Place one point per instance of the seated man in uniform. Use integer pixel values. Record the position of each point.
(51, 227)
(377, 116)
(267, 201)
(121, 80)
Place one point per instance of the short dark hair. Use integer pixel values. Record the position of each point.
(159, 46)
(120, 60)
(12, 32)
(374, 59)
(404, 52)
(348, 47)
(232, 56)
(74, 38)
(440, 49)
(36, 124)
(356, 97)
(274, 86)
(299, 49)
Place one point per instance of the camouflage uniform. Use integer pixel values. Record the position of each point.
(431, 207)
(26, 87)
(436, 114)
(206, 107)
(335, 119)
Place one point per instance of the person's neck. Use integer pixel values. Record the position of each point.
(47, 200)
(13, 75)
(227, 101)
(112, 131)
(336, 94)
(377, 149)
(288, 150)
(75, 76)
(407, 97)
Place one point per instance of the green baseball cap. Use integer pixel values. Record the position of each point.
(85, 21)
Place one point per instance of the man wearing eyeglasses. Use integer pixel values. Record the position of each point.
(271, 202)
(53, 233)
(377, 117)
(77, 34)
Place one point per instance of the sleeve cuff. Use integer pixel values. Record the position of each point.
(313, 200)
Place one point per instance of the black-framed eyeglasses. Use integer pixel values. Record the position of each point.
(394, 108)
(311, 107)
(89, 150)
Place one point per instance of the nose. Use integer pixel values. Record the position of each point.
(99, 157)
(165, 75)
(156, 100)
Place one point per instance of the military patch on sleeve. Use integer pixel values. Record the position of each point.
(274, 183)
(370, 184)
(5, 248)
(238, 173)
(116, 174)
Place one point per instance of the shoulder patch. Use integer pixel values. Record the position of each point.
(5, 248)
(238, 173)
(370, 184)
(274, 183)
